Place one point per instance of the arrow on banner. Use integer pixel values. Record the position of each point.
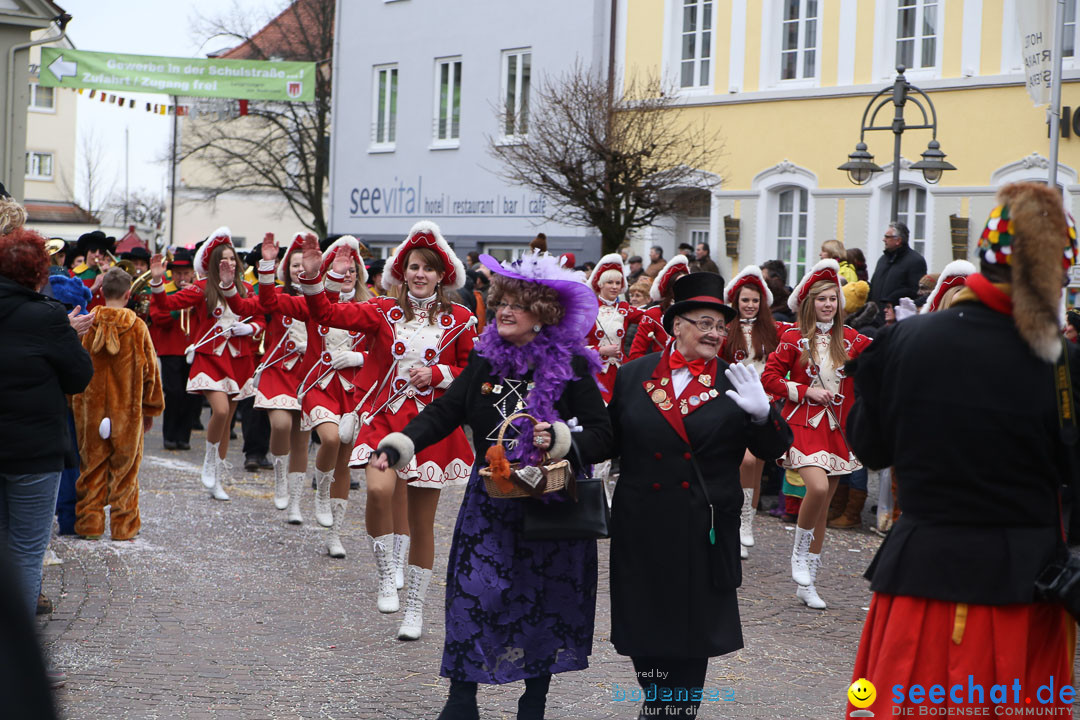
(61, 69)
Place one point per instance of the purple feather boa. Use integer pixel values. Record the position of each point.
(549, 356)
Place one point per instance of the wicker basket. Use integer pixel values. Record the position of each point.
(557, 474)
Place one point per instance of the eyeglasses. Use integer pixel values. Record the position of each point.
(707, 325)
(891, 237)
(512, 307)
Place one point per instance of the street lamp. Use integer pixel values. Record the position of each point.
(860, 165)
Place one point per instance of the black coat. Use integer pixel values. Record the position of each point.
(41, 361)
(897, 275)
(672, 593)
(963, 410)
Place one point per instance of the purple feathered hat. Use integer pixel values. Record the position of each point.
(578, 300)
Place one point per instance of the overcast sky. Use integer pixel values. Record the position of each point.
(159, 27)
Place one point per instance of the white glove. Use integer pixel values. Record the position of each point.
(905, 309)
(748, 392)
(341, 359)
(241, 329)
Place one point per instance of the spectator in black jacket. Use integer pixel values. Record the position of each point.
(42, 360)
(898, 270)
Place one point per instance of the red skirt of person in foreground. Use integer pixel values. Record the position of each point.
(909, 641)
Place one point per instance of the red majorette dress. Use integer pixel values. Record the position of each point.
(610, 329)
(818, 429)
(394, 346)
(222, 362)
(284, 363)
(651, 336)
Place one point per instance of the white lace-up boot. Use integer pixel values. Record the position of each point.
(800, 557)
(744, 554)
(281, 480)
(209, 465)
(222, 473)
(401, 559)
(333, 541)
(413, 622)
(746, 519)
(808, 594)
(383, 546)
(296, 489)
(323, 514)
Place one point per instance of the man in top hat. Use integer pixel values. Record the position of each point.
(95, 248)
(172, 332)
(963, 404)
(683, 420)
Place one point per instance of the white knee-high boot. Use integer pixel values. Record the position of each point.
(746, 518)
(401, 559)
(281, 480)
(296, 489)
(800, 557)
(413, 623)
(383, 547)
(333, 541)
(809, 594)
(323, 514)
(209, 466)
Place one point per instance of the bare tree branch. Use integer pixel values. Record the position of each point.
(90, 173)
(610, 164)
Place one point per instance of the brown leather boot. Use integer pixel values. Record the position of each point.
(852, 516)
(839, 501)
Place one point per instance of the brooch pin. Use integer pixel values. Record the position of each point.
(497, 389)
(705, 379)
(485, 389)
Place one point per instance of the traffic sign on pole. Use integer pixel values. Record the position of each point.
(191, 77)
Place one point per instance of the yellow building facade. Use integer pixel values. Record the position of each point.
(787, 81)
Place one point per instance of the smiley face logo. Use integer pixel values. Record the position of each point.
(862, 693)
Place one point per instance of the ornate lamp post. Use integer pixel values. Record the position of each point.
(860, 166)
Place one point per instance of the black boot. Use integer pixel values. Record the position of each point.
(461, 704)
(531, 704)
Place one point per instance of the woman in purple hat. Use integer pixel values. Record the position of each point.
(517, 609)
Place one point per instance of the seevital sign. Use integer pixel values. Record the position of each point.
(191, 77)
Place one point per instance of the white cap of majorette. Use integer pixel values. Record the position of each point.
(827, 269)
(424, 234)
(749, 275)
(954, 274)
(221, 236)
(664, 278)
(296, 244)
(612, 263)
(353, 246)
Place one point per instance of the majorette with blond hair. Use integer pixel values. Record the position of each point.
(752, 336)
(807, 368)
(223, 356)
(418, 342)
(651, 335)
(608, 335)
(283, 366)
(325, 389)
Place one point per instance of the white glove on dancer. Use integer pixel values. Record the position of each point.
(748, 392)
(341, 359)
(241, 329)
(905, 309)
(301, 348)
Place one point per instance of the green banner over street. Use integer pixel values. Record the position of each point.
(192, 77)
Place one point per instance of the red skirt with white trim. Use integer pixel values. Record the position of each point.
(447, 462)
(820, 447)
(326, 405)
(277, 387)
(222, 373)
(606, 381)
(909, 641)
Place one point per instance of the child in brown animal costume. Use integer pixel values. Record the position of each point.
(113, 413)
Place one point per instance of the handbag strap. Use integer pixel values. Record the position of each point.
(705, 492)
(1066, 411)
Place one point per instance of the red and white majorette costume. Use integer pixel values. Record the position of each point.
(818, 429)
(612, 322)
(284, 363)
(395, 345)
(753, 356)
(651, 336)
(954, 275)
(222, 362)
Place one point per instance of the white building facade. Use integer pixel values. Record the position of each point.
(419, 89)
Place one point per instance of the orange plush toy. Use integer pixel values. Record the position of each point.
(113, 412)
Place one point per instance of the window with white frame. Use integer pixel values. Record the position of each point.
(505, 253)
(696, 44)
(1068, 47)
(39, 166)
(447, 101)
(799, 40)
(384, 122)
(911, 210)
(792, 228)
(516, 82)
(917, 25)
(42, 98)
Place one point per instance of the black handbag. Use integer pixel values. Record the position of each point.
(585, 515)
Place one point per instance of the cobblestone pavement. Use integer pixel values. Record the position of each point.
(222, 610)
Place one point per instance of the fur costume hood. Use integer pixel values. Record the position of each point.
(109, 324)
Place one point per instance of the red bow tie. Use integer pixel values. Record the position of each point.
(696, 367)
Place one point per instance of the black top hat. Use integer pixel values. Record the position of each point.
(182, 258)
(698, 290)
(326, 242)
(375, 267)
(95, 240)
(136, 253)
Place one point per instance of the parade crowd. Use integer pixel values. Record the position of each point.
(684, 392)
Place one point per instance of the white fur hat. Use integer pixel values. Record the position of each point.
(608, 263)
(664, 278)
(749, 275)
(424, 234)
(827, 269)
